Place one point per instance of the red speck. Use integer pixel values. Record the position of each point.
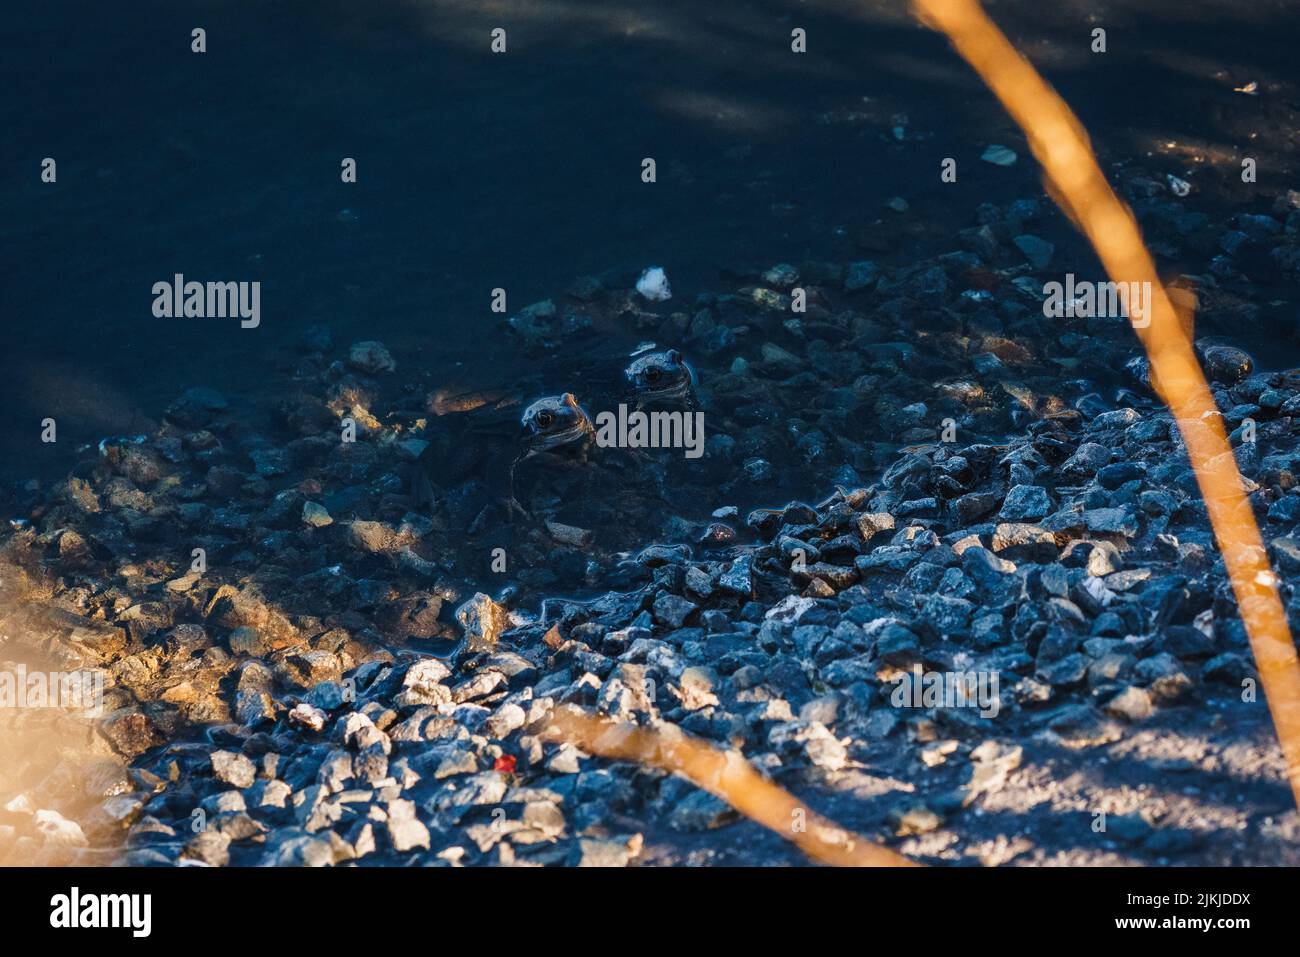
(505, 763)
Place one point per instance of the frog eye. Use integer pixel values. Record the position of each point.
(652, 374)
(544, 419)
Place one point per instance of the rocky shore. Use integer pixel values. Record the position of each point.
(304, 668)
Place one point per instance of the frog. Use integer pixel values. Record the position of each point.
(662, 378)
(481, 458)
(555, 422)
(666, 381)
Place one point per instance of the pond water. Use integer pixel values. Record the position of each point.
(519, 170)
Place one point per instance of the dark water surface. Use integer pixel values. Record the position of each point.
(521, 170)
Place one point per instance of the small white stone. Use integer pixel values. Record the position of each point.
(653, 284)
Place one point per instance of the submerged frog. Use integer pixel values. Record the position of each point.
(481, 465)
(662, 378)
(475, 465)
(556, 421)
(664, 382)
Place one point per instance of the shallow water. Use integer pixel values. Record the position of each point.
(519, 170)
